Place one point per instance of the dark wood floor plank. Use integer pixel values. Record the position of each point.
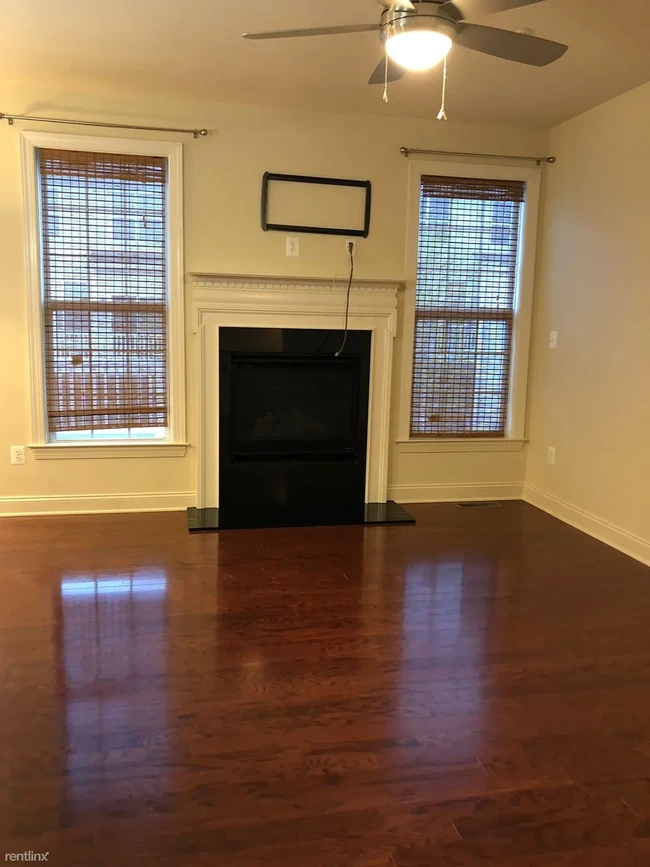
(472, 690)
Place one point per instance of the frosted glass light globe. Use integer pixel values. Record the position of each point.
(418, 49)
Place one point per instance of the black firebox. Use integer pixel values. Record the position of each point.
(293, 427)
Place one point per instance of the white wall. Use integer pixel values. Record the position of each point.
(222, 234)
(590, 398)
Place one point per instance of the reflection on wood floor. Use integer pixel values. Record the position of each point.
(471, 690)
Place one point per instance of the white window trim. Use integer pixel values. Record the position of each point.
(516, 420)
(174, 445)
(424, 445)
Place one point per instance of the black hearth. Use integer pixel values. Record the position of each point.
(293, 427)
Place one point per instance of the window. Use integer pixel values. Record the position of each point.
(107, 242)
(468, 256)
(104, 292)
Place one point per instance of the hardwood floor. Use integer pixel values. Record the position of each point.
(472, 690)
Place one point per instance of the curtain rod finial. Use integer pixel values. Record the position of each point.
(200, 133)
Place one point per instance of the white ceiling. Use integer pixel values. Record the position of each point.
(194, 48)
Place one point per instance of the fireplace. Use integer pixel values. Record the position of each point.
(293, 425)
(287, 432)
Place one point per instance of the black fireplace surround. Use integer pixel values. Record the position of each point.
(293, 430)
(293, 426)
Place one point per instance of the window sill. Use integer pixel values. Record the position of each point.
(81, 451)
(429, 446)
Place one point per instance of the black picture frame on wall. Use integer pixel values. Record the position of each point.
(270, 177)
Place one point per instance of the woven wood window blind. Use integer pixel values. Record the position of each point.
(104, 254)
(467, 273)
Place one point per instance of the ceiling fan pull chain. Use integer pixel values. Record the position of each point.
(386, 78)
(442, 114)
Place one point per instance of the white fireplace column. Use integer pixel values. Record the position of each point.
(234, 301)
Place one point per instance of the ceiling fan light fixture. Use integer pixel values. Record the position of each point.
(418, 49)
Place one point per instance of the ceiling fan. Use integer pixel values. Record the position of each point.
(420, 34)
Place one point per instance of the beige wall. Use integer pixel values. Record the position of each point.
(222, 234)
(590, 398)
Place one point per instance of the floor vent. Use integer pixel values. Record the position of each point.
(480, 504)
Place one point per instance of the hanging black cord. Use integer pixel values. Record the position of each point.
(347, 303)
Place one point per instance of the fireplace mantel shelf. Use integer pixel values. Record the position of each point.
(293, 284)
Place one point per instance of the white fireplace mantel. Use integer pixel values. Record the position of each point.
(242, 301)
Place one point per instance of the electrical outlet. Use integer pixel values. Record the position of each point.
(551, 455)
(552, 340)
(352, 241)
(293, 246)
(17, 454)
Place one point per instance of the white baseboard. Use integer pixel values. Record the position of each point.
(610, 534)
(81, 504)
(454, 493)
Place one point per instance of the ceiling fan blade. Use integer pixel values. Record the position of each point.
(509, 45)
(395, 72)
(397, 5)
(313, 31)
(460, 9)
